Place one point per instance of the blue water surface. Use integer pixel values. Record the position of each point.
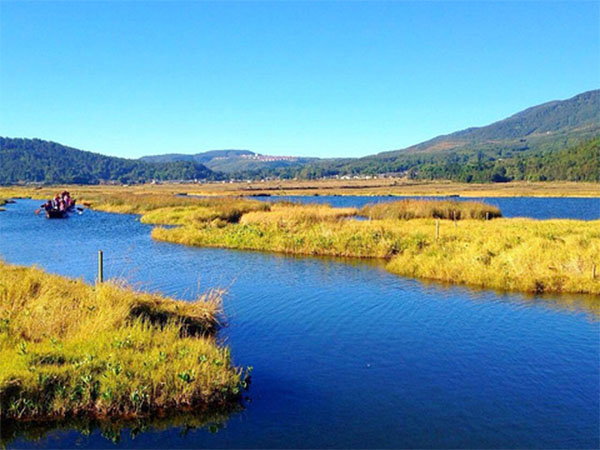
(345, 354)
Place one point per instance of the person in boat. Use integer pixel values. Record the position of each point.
(47, 206)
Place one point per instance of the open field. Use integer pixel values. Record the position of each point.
(387, 186)
(402, 187)
(70, 349)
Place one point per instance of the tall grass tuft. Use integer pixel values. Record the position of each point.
(294, 213)
(69, 349)
(437, 209)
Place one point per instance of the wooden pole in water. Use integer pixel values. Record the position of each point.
(437, 228)
(100, 267)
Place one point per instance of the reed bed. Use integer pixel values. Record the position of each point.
(217, 210)
(342, 238)
(438, 209)
(70, 349)
(291, 213)
(508, 254)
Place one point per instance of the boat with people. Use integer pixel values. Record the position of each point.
(59, 207)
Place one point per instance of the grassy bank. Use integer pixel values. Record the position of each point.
(510, 254)
(70, 349)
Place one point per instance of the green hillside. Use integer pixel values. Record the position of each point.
(491, 153)
(550, 125)
(35, 160)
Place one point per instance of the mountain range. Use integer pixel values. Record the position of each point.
(554, 140)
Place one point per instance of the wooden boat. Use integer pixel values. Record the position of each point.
(56, 214)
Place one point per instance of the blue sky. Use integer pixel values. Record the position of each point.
(308, 78)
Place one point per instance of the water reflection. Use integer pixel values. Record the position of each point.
(44, 433)
(588, 304)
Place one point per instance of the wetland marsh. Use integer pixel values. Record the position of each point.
(397, 361)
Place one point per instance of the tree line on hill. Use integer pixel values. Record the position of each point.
(579, 162)
(36, 160)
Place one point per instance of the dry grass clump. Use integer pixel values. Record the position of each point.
(438, 209)
(290, 213)
(67, 348)
(221, 210)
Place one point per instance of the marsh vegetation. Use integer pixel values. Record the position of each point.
(443, 240)
(439, 209)
(69, 349)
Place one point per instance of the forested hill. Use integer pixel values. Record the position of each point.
(547, 126)
(36, 160)
(561, 133)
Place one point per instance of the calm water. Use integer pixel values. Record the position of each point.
(344, 353)
(535, 207)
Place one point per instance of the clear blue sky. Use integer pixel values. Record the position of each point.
(321, 79)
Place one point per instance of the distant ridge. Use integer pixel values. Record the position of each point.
(578, 116)
(235, 161)
(36, 160)
(203, 157)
